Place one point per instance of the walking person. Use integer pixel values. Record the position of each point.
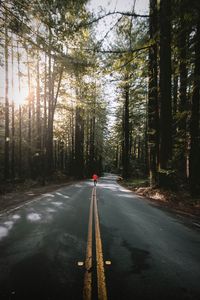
(95, 178)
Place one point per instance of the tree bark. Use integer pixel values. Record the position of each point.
(153, 110)
(79, 143)
(50, 112)
(165, 86)
(13, 119)
(92, 162)
(183, 93)
(20, 116)
(29, 119)
(126, 155)
(38, 113)
(44, 138)
(7, 133)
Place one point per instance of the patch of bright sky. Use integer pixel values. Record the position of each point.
(100, 6)
(18, 95)
(141, 6)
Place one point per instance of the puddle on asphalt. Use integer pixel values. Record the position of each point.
(3, 232)
(9, 224)
(139, 258)
(48, 195)
(5, 227)
(33, 217)
(64, 196)
(51, 210)
(57, 203)
(16, 217)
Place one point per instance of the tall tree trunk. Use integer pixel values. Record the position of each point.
(20, 141)
(92, 162)
(38, 114)
(116, 164)
(87, 140)
(175, 96)
(153, 110)
(126, 156)
(139, 148)
(44, 138)
(175, 108)
(72, 142)
(38, 157)
(79, 143)
(7, 133)
(20, 116)
(165, 86)
(13, 118)
(194, 163)
(50, 112)
(183, 93)
(29, 119)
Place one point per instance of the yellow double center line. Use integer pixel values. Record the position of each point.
(101, 284)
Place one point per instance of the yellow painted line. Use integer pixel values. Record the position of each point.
(101, 283)
(87, 288)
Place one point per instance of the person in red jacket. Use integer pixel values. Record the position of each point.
(95, 178)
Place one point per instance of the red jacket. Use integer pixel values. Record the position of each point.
(94, 177)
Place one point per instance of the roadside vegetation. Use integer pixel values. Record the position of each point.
(180, 200)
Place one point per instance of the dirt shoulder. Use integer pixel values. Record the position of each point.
(16, 198)
(179, 202)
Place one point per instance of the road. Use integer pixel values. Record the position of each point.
(81, 242)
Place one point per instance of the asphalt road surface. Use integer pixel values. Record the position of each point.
(103, 242)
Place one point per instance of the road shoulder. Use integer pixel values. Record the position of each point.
(170, 202)
(13, 199)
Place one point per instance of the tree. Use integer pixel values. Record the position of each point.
(126, 132)
(153, 109)
(7, 131)
(165, 86)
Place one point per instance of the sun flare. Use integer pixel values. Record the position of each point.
(19, 96)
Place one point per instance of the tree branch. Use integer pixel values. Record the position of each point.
(124, 51)
(128, 14)
(58, 89)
